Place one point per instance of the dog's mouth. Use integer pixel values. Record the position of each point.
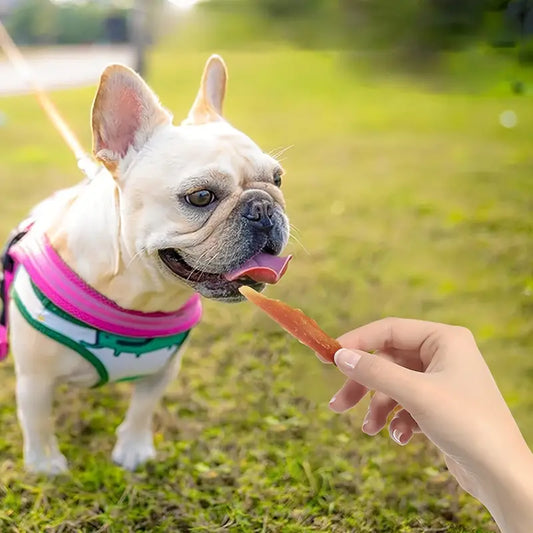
(260, 269)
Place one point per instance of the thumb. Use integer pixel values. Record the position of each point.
(379, 374)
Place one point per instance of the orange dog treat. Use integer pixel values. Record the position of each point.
(299, 325)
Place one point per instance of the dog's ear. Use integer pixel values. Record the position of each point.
(208, 104)
(125, 114)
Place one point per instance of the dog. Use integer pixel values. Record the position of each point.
(108, 273)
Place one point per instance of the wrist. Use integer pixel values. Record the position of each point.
(507, 491)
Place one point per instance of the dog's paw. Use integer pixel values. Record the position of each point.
(51, 465)
(133, 450)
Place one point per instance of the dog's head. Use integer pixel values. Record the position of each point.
(201, 202)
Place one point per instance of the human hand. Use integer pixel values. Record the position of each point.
(437, 375)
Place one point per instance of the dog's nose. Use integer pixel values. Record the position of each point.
(259, 212)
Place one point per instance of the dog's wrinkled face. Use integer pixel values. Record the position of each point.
(212, 205)
(200, 201)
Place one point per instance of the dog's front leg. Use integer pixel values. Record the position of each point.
(34, 407)
(135, 443)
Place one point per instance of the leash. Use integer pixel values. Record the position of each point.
(84, 160)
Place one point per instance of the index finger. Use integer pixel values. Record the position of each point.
(398, 333)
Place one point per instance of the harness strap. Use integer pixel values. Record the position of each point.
(7, 275)
(69, 292)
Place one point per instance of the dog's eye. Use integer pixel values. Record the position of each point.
(200, 198)
(277, 178)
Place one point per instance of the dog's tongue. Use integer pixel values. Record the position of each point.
(264, 268)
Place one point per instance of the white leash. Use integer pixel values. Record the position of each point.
(85, 161)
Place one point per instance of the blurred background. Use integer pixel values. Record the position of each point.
(406, 132)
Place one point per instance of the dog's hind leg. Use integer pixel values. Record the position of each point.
(135, 443)
(36, 361)
(34, 407)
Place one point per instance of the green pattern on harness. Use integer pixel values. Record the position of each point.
(137, 346)
(118, 343)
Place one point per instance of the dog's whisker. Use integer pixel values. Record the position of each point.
(287, 148)
(295, 231)
(276, 153)
(205, 254)
(199, 259)
(195, 267)
(135, 257)
(213, 259)
(273, 152)
(295, 228)
(299, 242)
(207, 264)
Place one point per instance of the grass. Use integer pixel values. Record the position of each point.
(409, 201)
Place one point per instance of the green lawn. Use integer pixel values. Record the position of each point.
(408, 201)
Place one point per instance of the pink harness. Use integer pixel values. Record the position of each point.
(63, 287)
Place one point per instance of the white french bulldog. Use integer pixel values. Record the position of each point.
(177, 210)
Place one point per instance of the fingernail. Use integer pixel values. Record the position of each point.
(366, 421)
(397, 436)
(332, 400)
(346, 359)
